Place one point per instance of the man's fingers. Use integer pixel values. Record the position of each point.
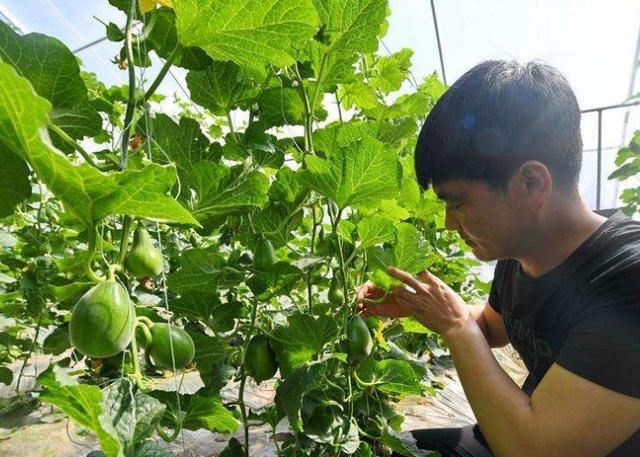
(406, 278)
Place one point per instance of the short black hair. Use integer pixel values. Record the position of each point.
(497, 116)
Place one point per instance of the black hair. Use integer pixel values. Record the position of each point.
(497, 116)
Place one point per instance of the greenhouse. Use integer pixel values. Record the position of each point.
(369, 228)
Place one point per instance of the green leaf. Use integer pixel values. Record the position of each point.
(208, 413)
(358, 95)
(133, 414)
(411, 325)
(211, 352)
(287, 188)
(56, 342)
(151, 448)
(85, 191)
(202, 270)
(359, 174)
(279, 280)
(54, 73)
(277, 222)
(390, 71)
(374, 230)
(223, 191)
(391, 376)
(408, 253)
(280, 106)
(221, 87)
(83, 404)
(302, 339)
(403, 444)
(182, 144)
(352, 25)
(409, 249)
(290, 393)
(14, 182)
(251, 33)
(6, 376)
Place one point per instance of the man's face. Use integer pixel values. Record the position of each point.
(489, 221)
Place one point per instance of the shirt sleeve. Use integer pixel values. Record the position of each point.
(603, 345)
(494, 300)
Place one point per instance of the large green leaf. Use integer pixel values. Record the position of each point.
(390, 71)
(408, 253)
(359, 174)
(202, 270)
(291, 392)
(14, 182)
(224, 191)
(208, 413)
(221, 87)
(54, 73)
(83, 404)
(182, 144)
(374, 230)
(133, 414)
(277, 223)
(391, 376)
(85, 191)
(302, 339)
(251, 33)
(352, 25)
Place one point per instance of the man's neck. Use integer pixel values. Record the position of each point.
(563, 230)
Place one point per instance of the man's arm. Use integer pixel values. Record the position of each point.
(491, 324)
(567, 415)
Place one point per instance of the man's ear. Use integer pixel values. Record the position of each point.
(538, 183)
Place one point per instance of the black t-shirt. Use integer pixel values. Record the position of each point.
(583, 315)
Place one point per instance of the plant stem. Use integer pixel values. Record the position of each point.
(339, 107)
(93, 234)
(162, 73)
(131, 103)
(308, 113)
(243, 378)
(232, 130)
(28, 356)
(124, 240)
(67, 139)
(137, 373)
(314, 98)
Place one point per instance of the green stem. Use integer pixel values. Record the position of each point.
(162, 73)
(339, 107)
(131, 103)
(67, 139)
(243, 376)
(146, 321)
(137, 373)
(93, 233)
(308, 113)
(28, 356)
(146, 332)
(165, 436)
(124, 240)
(232, 130)
(316, 92)
(313, 239)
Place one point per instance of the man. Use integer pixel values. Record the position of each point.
(502, 148)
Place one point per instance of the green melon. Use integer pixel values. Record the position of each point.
(103, 321)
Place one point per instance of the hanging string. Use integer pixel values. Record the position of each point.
(148, 141)
(440, 54)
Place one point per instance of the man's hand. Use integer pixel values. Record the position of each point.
(432, 302)
(388, 306)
